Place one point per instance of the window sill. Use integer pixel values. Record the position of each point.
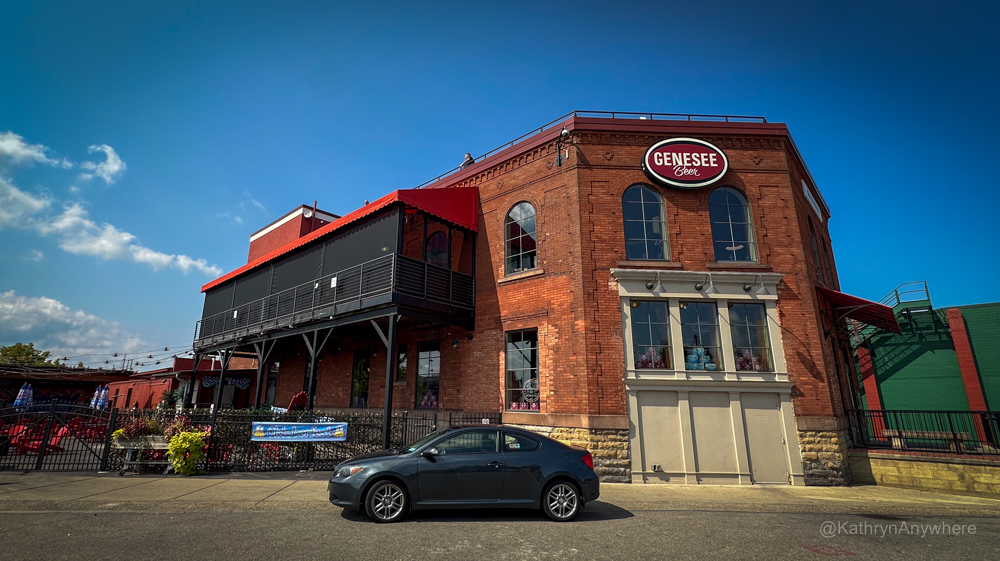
(399, 383)
(523, 275)
(739, 265)
(651, 263)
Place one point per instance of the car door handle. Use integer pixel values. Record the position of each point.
(495, 464)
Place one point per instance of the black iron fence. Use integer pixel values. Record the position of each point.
(956, 432)
(53, 437)
(230, 447)
(358, 287)
(67, 437)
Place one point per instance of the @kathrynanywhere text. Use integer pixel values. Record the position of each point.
(830, 529)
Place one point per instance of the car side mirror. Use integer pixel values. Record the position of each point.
(429, 453)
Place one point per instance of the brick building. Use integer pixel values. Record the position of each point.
(660, 290)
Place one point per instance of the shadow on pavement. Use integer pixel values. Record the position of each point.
(596, 511)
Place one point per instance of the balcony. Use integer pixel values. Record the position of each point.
(387, 280)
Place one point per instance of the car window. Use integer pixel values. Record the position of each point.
(437, 434)
(470, 442)
(518, 443)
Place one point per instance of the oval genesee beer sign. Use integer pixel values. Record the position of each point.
(686, 163)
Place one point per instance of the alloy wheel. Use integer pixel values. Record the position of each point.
(387, 502)
(562, 501)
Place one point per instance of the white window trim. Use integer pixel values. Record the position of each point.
(678, 286)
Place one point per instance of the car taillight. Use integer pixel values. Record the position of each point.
(589, 460)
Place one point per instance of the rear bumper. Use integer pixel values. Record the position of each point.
(591, 489)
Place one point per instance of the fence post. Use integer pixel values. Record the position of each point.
(107, 440)
(44, 445)
(406, 433)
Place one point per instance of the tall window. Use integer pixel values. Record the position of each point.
(437, 249)
(520, 240)
(645, 224)
(732, 229)
(751, 344)
(650, 334)
(815, 248)
(700, 332)
(360, 375)
(523, 390)
(428, 374)
(401, 365)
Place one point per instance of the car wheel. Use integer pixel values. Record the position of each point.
(386, 502)
(561, 501)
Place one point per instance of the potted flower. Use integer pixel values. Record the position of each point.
(140, 433)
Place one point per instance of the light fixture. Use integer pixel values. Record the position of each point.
(468, 336)
(749, 287)
(655, 286)
(711, 285)
(454, 341)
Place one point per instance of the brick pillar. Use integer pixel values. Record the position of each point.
(967, 364)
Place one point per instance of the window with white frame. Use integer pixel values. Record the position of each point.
(700, 334)
(650, 334)
(751, 343)
(645, 224)
(520, 240)
(732, 227)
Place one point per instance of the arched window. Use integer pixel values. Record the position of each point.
(732, 229)
(645, 224)
(437, 249)
(520, 242)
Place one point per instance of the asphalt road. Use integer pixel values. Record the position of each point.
(602, 531)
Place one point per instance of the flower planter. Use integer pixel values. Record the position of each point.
(151, 442)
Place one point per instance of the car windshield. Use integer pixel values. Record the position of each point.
(416, 445)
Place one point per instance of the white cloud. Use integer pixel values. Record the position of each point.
(77, 233)
(16, 150)
(255, 202)
(16, 206)
(109, 170)
(35, 255)
(55, 327)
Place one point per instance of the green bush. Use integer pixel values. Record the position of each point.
(186, 449)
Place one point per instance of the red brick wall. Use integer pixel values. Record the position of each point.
(286, 233)
(571, 298)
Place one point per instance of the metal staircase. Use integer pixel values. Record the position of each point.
(909, 301)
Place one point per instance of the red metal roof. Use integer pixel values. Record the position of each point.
(459, 205)
(859, 309)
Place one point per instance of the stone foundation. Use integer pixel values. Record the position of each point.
(824, 457)
(928, 472)
(609, 447)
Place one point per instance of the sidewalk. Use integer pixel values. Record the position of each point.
(292, 491)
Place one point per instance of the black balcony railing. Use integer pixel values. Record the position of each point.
(955, 432)
(362, 286)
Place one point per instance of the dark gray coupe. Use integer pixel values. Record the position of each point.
(469, 467)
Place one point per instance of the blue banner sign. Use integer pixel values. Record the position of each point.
(298, 432)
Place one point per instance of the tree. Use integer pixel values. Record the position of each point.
(26, 355)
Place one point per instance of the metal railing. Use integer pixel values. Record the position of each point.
(609, 115)
(954, 432)
(337, 293)
(230, 448)
(53, 437)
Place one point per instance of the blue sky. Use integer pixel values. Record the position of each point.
(225, 115)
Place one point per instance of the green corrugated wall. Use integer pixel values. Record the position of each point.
(983, 325)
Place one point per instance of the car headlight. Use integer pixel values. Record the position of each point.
(348, 471)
